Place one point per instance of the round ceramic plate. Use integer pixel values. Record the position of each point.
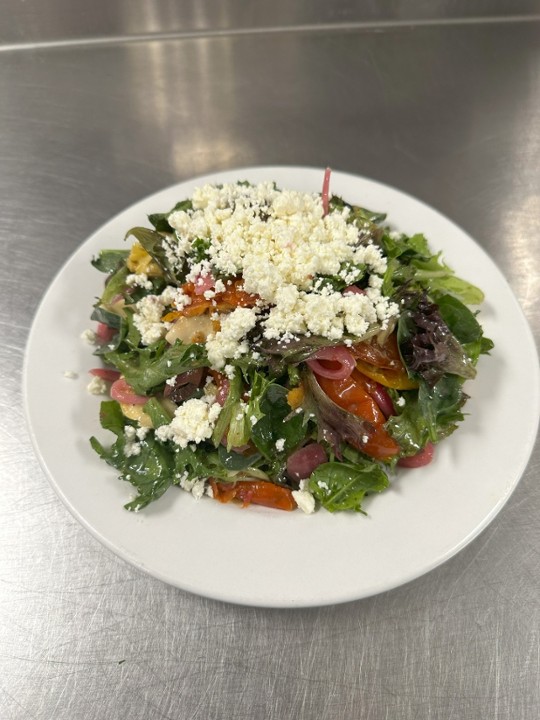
(257, 556)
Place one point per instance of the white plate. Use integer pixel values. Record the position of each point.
(257, 556)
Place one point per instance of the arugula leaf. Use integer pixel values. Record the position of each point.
(276, 424)
(159, 415)
(116, 284)
(430, 416)
(459, 319)
(204, 462)
(111, 417)
(343, 486)
(101, 314)
(150, 366)
(236, 461)
(108, 260)
(437, 278)
(229, 407)
(150, 472)
(415, 246)
(440, 405)
(161, 220)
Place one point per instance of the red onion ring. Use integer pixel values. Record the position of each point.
(354, 290)
(105, 333)
(424, 457)
(339, 362)
(105, 374)
(124, 393)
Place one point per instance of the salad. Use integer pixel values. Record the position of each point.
(279, 348)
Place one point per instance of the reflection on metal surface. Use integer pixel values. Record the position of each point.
(33, 21)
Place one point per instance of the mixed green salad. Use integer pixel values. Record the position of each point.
(279, 348)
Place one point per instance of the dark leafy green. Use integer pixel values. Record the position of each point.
(428, 347)
(277, 424)
(150, 471)
(109, 260)
(149, 367)
(343, 486)
(160, 220)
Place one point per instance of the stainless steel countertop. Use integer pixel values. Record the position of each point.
(446, 112)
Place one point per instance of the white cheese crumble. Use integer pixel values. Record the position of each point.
(195, 486)
(139, 280)
(70, 374)
(279, 242)
(89, 336)
(400, 402)
(97, 386)
(193, 422)
(304, 499)
(280, 444)
(147, 319)
(228, 341)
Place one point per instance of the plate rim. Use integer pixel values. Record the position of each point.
(123, 552)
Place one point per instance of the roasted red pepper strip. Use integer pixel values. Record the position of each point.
(232, 297)
(383, 363)
(353, 395)
(258, 492)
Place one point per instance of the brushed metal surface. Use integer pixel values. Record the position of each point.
(449, 114)
(36, 21)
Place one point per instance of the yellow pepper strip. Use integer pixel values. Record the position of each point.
(135, 412)
(295, 397)
(396, 379)
(139, 261)
(171, 316)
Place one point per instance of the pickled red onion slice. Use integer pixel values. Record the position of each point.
(424, 457)
(336, 363)
(105, 333)
(326, 191)
(124, 393)
(105, 374)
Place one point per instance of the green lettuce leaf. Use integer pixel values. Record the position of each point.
(148, 367)
(343, 486)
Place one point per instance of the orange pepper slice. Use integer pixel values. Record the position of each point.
(258, 492)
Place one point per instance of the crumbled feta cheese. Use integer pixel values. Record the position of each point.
(279, 241)
(147, 319)
(193, 422)
(130, 432)
(71, 374)
(280, 444)
(89, 336)
(132, 449)
(195, 486)
(97, 386)
(305, 501)
(227, 342)
(139, 280)
(400, 402)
